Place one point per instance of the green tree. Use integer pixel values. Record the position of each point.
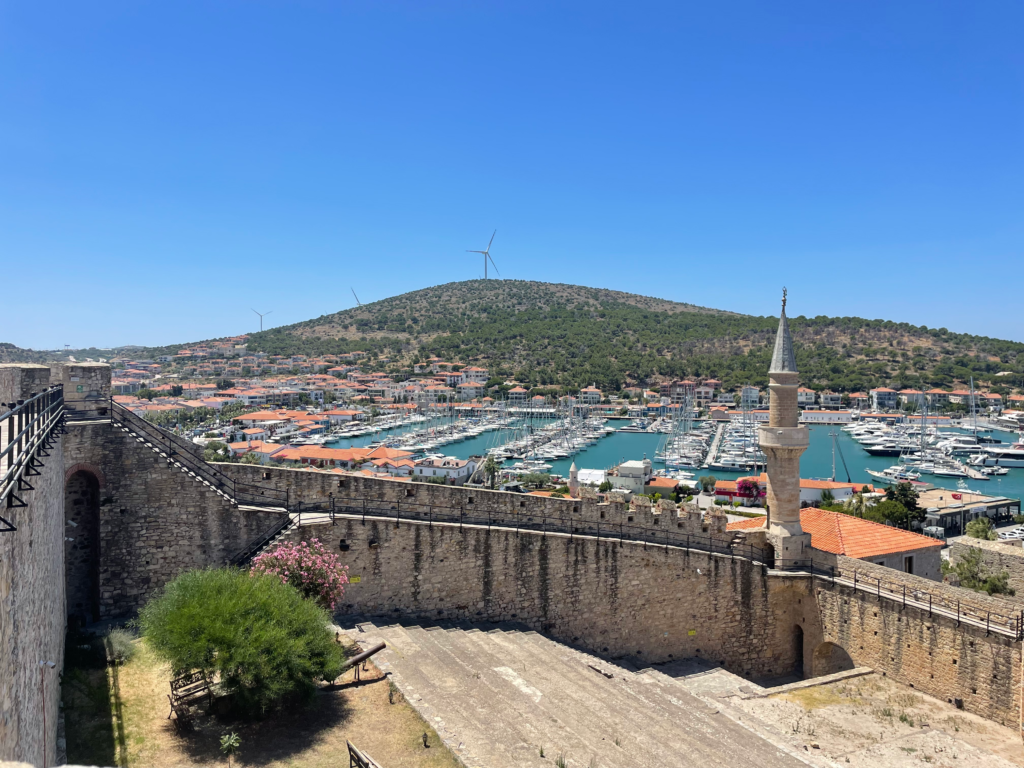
(250, 458)
(605, 486)
(707, 483)
(256, 634)
(827, 498)
(905, 494)
(981, 528)
(491, 468)
(969, 570)
(147, 394)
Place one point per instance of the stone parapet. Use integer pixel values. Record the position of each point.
(20, 381)
(86, 388)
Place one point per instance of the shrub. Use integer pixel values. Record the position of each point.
(309, 567)
(970, 572)
(120, 646)
(263, 640)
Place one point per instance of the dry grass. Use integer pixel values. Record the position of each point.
(138, 732)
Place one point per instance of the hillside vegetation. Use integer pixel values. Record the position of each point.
(549, 334)
(546, 334)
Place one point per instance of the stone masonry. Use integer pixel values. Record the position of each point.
(653, 603)
(31, 596)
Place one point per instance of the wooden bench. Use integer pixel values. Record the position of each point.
(358, 759)
(186, 692)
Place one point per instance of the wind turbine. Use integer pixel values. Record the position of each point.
(487, 255)
(358, 302)
(264, 314)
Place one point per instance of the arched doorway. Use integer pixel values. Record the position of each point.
(82, 546)
(830, 658)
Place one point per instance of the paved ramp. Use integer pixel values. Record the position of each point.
(499, 697)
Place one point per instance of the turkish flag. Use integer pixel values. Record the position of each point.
(958, 496)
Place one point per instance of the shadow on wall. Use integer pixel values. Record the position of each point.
(830, 658)
(82, 547)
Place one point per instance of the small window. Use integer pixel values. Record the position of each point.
(522, 504)
(470, 500)
(409, 491)
(908, 564)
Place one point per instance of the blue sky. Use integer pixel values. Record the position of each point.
(166, 166)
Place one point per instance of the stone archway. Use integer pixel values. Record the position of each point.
(82, 545)
(829, 658)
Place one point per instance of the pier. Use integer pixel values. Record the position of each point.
(713, 450)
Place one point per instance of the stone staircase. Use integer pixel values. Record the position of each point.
(171, 461)
(506, 696)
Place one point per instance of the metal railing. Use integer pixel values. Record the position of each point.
(244, 556)
(242, 493)
(963, 611)
(27, 429)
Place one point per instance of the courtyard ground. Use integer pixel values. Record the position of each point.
(117, 716)
(872, 721)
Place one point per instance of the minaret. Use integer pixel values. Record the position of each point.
(782, 441)
(574, 481)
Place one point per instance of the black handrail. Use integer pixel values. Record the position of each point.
(979, 615)
(253, 548)
(26, 430)
(242, 493)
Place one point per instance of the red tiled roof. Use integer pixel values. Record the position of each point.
(847, 535)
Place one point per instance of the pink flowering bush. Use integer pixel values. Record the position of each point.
(309, 567)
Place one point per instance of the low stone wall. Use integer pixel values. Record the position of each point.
(564, 514)
(654, 603)
(996, 557)
(932, 653)
(31, 597)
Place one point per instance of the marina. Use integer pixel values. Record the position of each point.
(816, 462)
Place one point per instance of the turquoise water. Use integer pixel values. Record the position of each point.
(815, 463)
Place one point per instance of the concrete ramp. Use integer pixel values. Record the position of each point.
(500, 696)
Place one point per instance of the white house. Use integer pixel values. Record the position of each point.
(884, 399)
(805, 398)
(632, 476)
(474, 375)
(455, 471)
(590, 395)
(750, 397)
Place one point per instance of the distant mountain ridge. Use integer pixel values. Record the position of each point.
(567, 336)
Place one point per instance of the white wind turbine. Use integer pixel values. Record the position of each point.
(487, 256)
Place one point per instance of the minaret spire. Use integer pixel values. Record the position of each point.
(783, 358)
(783, 440)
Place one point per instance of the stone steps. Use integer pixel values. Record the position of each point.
(497, 696)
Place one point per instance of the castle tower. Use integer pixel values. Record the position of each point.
(574, 481)
(782, 441)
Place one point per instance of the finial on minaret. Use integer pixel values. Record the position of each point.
(783, 357)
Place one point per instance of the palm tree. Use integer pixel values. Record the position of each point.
(856, 504)
(491, 469)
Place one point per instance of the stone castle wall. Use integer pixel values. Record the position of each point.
(154, 521)
(420, 498)
(928, 652)
(617, 599)
(31, 596)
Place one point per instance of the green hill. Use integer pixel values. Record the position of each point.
(563, 335)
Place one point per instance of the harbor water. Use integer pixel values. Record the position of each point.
(815, 463)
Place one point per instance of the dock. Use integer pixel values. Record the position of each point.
(713, 450)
